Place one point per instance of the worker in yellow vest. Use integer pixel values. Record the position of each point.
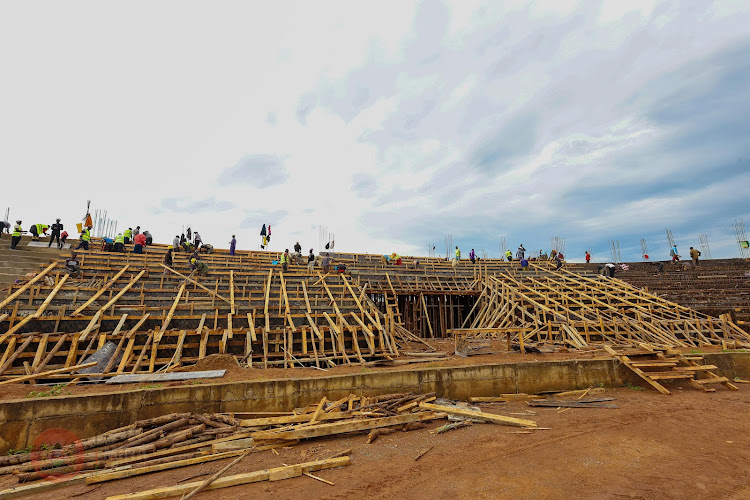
(119, 243)
(16, 235)
(38, 230)
(284, 260)
(85, 238)
(127, 235)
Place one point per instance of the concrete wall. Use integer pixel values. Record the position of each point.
(21, 421)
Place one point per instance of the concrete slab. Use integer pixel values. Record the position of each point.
(164, 377)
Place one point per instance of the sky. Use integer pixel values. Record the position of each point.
(391, 125)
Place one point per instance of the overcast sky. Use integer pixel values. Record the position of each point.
(391, 124)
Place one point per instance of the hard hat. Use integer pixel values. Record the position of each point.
(192, 261)
(169, 247)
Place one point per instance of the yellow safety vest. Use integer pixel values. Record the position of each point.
(119, 239)
(283, 258)
(86, 235)
(17, 230)
(40, 228)
(128, 234)
(458, 253)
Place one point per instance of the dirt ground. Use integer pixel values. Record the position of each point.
(235, 373)
(688, 445)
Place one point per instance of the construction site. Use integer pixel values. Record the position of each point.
(132, 379)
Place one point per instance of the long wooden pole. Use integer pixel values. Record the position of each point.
(24, 378)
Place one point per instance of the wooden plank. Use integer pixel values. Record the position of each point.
(100, 292)
(342, 427)
(231, 290)
(25, 287)
(47, 373)
(489, 417)
(238, 479)
(172, 309)
(38, 312)
(191, 280)
(123, 291)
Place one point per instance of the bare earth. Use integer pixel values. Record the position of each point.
(688, 445)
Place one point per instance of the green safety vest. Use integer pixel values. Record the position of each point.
(128, 234)
(86, 235)
(508, 253)
(458, 253)
(283, 258)
(40, 228)
(17, 230)
(120, 239)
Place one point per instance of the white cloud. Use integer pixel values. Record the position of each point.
(462, 117)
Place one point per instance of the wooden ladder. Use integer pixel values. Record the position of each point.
(672, 366)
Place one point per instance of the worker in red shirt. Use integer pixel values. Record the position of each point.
(588, 257)
(139, 242)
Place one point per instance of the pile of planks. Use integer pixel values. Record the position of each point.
(183, 439)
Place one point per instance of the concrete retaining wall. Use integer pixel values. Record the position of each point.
(21, 421)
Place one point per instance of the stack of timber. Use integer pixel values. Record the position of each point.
(571, 310)
(184, 439)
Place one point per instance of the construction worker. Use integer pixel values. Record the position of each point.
(176, 243)
(72, 265)
(63, 238)
(197, 239)
(4, 226)
(37, 230)
(84, 238)
(472, 256)
(326, 263)
(136, 232)
(232, 245)
(120, 243)
(524, 264)
(673, 253)
(520, 252)
(311, 261)
(458, 254)
(207, 248)
(139, 241)
(284, 260)
(168, 259)
(588, 257)
(694, 254)
(200, 266)
(127, 235)
(149, 238)
(509, 255)
(16, 235)
(558, 260)
(56, 230)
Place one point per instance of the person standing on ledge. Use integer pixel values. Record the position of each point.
(520, 252)
(56, 230)
(16, 235)
(588, 257)
(694, 254)
(232, 245)
(472, 256)
(311, 261)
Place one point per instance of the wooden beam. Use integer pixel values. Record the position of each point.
(100, 292)
(489, 417)
(274, 474)
(123, 291)
(210, 292)
(24, 378)
(25, 287)
(172, 309)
